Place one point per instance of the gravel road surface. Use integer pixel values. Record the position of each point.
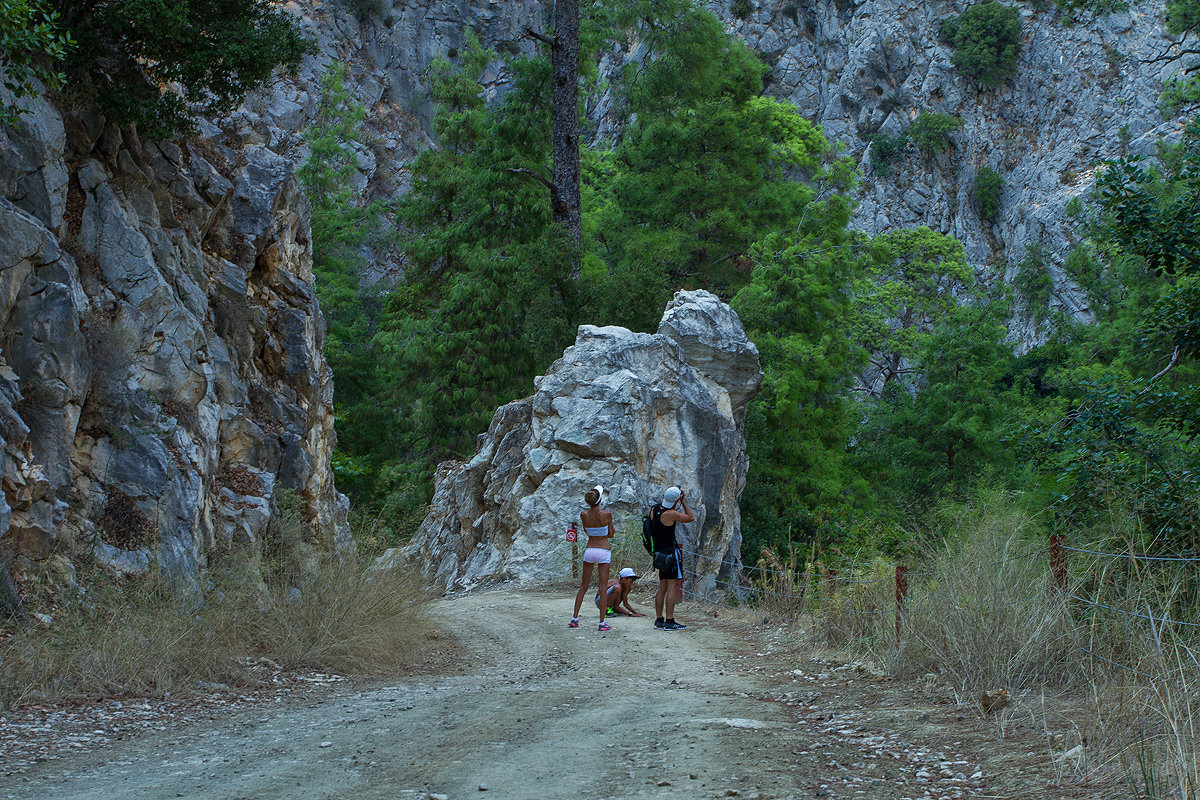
(535, 710)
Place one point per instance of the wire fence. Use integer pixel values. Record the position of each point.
(820, 582)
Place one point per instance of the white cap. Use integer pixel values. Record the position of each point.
(670, 496)
(599, 489)
(628, 573)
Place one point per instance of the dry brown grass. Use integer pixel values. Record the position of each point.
(982, 614)
(139, 639)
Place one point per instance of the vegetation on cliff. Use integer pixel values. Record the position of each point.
(890, 381)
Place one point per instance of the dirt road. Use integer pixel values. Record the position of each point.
(537, 710)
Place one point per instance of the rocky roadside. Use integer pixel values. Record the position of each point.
(49, 732)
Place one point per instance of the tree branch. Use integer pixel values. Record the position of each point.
(531, 33)
(530, 173)
(1166, 56)
(1163, 371)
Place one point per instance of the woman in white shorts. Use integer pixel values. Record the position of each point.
(598, 525)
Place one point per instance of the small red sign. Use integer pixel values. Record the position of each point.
(572, 533)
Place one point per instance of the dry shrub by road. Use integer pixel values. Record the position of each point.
(137, 639)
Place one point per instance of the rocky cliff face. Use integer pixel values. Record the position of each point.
(635, 412)
(161, 373)
(857, 68)
(861, 68)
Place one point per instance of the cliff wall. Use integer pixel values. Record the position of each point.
(857, 68)
(161, 372)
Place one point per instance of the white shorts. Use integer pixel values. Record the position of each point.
(597, 555)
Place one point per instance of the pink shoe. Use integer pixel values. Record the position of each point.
(573, 623)
(604, 626)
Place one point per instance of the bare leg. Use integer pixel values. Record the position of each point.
(584, 582)
(603, 572)
(672, 592)
(659, 596)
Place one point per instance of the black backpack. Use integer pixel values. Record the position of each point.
(648, 532)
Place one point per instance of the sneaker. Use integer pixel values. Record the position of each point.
(573, 623)
(604, 626)
(673, 626)
(658, 623)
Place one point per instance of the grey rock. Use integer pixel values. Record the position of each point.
(160, 341)
(635, 412)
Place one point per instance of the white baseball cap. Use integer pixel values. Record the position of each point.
(671, 495)
(628, 573)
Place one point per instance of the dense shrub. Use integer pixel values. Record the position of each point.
(885, 149)
(987, 40)
(931, 132)
(153, 63)
(31, 46)
(988, 184)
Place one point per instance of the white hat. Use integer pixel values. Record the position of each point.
(670, 496)
(628, 573)
(599, 489)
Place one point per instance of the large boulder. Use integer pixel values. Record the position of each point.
(636, 412)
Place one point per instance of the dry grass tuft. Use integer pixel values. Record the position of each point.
(345, 618)
(982, 616)
(123, 638)
(985, 614)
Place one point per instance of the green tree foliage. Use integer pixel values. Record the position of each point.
(987, 40)
(488, 300)
(32, 48)
(705, 167)
(1033, 281)
(910, 284)
(931, 437)
(214, 51)
(1126, 391)
(988, 184)
(342, 222)
(931, 132)
(796, 309)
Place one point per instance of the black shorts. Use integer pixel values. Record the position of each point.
(668, 566)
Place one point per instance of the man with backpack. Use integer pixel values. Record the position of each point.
(668, 556)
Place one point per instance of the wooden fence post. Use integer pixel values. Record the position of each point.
(901, 595)
(830, 581)
(1058, 561)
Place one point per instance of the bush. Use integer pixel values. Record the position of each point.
(988, 184)
(32, 44)
(151, 61)
(931, 132)
(987, 40)
(1177, 92)
(741, 9)
(885, 149)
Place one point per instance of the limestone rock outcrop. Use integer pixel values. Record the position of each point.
(635, 412)
(161, 372)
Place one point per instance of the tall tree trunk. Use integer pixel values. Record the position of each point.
(564, 193)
